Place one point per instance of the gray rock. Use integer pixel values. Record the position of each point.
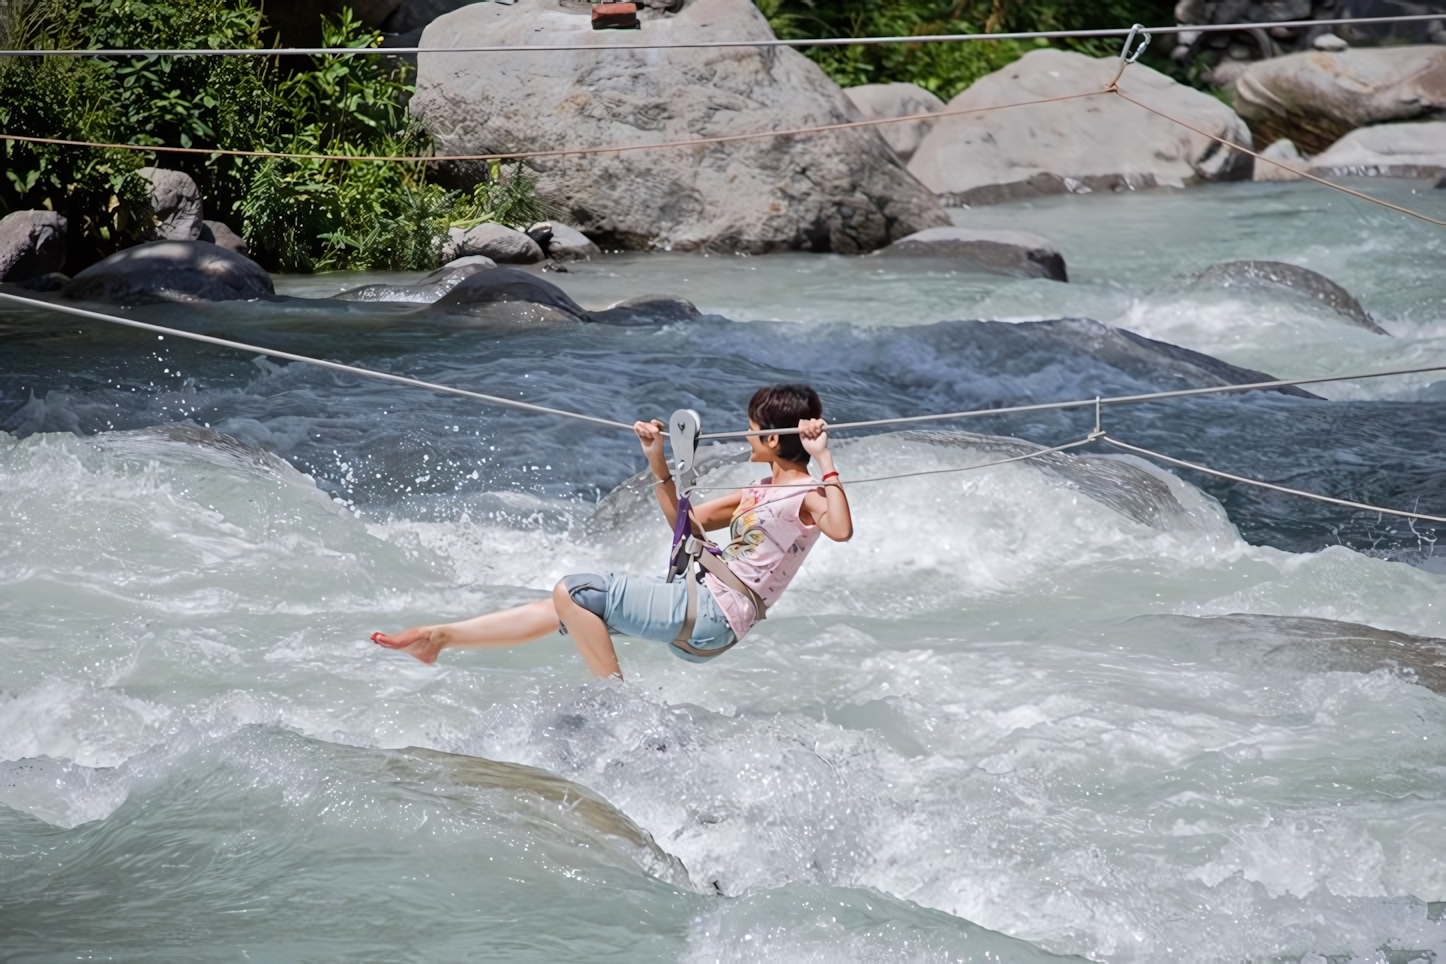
(878, 101)
(501, 244)
(43, 283)
(1330, 43)
(1019, 254)
(219, 232)
(1390, 150)
(1075, 145)
(648, 310)
(568, 244)
(1283, 150)
(1291, 278)
(32, 243)
(1316, 98)
(426, 291)
(510, 287)
(834, 191)
(178, 271)
(176, 200)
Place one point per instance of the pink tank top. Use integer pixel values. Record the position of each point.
(766, 546)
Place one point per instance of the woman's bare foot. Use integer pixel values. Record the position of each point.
(421, 642)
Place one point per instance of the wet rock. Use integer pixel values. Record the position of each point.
(177, 271)
(1137, 355)
(426, 291)
(877, 101)
(1283, 150)
(565, 243)
(176, 200)
(1390, 150)
(1288, 277)
(502, 244)
(835, 191)
(648, 310)
(1018, 254)
(32, 243)
(506, 286)
(220, 233)
(1077, 145)
(45, 283)
(1318, 97)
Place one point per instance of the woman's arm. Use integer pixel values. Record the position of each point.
(714, 514)
(830, 510)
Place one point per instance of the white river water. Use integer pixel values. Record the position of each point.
(1079, 710)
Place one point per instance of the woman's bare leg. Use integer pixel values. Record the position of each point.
(589, 634)
(509, 627)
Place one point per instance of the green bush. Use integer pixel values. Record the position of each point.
(297, 215)
(947, 68)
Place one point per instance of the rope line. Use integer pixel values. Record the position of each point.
(1305, 174)
(560, 152)
(319, 362)
(707, 44)
(1084, 402)
(1269, 485)
(902, 475)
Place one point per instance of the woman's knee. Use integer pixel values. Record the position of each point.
(586, 591)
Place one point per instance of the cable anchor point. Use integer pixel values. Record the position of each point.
(1098, 432)
(1126, 56)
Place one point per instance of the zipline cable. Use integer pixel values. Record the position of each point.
(609, 423)
(1085, 402)
(1100, 33)
(902, 475)
(1267, 485)
(322, 363)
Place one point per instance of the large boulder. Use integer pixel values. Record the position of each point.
(32, 243)
(879, 101)
(841, 190)
(179, 271)
(1016, 253)
(1391, 150)
(502, 244)
(176, 200)
(1075, 145)
(1315, 98)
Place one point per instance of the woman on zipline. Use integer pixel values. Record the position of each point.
(772, 526)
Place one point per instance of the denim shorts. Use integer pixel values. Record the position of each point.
(646, 607)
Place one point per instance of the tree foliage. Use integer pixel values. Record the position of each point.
(948, 68)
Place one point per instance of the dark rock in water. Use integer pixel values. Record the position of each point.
(32, 243)
(648, 310)
(219, 232)
(1291, 278)
(510, 286)
(1304, 644)
(177, 271)
(426, 291)
(1015, 253)
(1146, 357)
(45, 283)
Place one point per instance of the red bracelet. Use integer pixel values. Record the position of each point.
(829, 475)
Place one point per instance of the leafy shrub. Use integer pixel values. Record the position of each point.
(297, 214)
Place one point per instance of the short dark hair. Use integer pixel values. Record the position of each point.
(784, 406)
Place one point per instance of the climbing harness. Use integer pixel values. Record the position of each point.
(693, 555)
